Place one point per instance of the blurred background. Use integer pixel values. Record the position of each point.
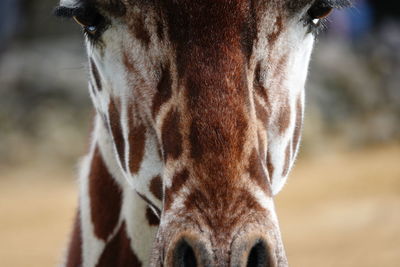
(341, 206)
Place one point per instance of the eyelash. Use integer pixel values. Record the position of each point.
(91, 21)
(317, 15)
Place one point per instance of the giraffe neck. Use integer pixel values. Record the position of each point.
(114, 220)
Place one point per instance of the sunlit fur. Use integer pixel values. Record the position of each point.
(230, 181)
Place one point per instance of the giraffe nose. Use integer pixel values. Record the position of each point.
(258, 256)
(189, 252)
(184, 255)
(254, 252)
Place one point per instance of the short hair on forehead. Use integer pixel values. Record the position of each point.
(118, 7)
(74, 3)
(295, 5)
(114, 7)
(339, 3)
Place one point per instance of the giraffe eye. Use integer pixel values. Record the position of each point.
(318, 11)
(91, 21)
(90, 28)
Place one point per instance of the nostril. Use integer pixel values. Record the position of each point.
(184, 255)
(258, 256)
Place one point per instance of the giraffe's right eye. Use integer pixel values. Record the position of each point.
(90, 22)
(320, 10)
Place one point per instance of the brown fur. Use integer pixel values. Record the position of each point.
(156, 187)
(283, 121)
(256, 171)
(152, 219)
(164, 90)
(202, 99)
(262, 113)
(118, 252)
(137, 140)
(74, 257)
(105, 198)
(116, 130)
(171, 135)
(141, 32)
(224, 215)
(178, 181)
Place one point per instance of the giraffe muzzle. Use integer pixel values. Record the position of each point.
(247, 251)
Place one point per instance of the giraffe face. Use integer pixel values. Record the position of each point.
(218, 86)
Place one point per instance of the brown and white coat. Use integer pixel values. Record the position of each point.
(199, 108)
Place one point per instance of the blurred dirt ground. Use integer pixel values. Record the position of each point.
(341, 209)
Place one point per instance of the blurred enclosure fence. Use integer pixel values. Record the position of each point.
(353, 90)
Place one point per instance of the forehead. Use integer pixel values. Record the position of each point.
(112, 4)
(293, 3)
(118, 7)
(118, 3)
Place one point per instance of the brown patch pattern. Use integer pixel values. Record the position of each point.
(74, 257)
(137, 141)
(164, 90)
(283, 121)
(171, 135)
(105, 198)
(178, 181)
(140, 31)
(116, 130)
(261, 112)
(156, 187)
(152, 219)
(118, 252)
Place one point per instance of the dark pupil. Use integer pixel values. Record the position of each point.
(319, 11)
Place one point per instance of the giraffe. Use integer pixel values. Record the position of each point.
(199, 109)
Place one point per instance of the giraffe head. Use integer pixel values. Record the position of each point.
(219, 86)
